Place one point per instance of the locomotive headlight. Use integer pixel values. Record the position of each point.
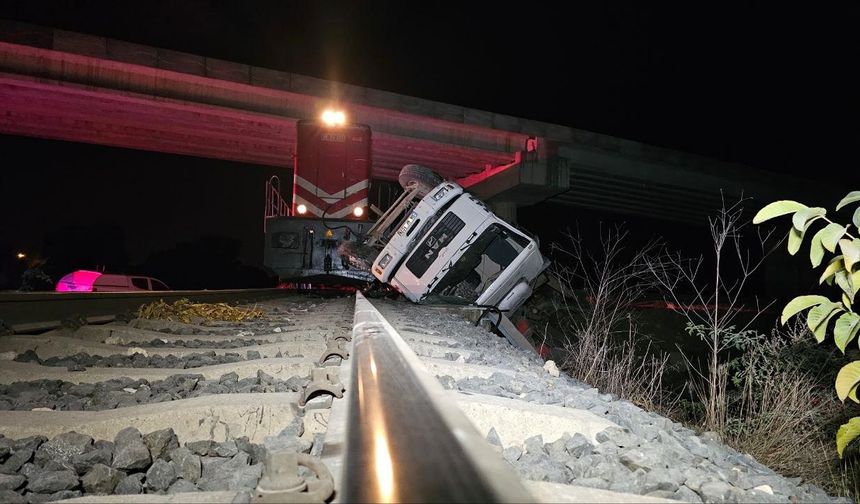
(385, 260)
(334, 117)
(302, 209)
(358, 211)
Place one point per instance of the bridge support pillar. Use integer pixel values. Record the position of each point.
(533, 177)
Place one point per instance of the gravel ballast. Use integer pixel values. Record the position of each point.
(197, 343)
(121, 392)
(81, 361)
(647, 454)
(72, 465)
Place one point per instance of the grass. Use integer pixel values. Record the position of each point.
(619, 368)
(784, 425)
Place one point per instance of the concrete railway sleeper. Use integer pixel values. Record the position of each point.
(338, 400)
(152, 410)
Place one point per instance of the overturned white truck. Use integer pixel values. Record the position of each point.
(441, 244)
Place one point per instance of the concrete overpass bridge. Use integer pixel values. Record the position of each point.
(69, 86)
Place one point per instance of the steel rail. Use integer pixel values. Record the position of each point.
(406, 440)
(32, 311)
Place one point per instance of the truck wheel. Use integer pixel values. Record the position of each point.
(424, 178)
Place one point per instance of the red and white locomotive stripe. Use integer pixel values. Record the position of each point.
(319, 202)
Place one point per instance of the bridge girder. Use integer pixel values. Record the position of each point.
(69, 86)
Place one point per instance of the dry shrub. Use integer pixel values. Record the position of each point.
(625, 369)
(768, 395)
(718, 299)
(602, 345)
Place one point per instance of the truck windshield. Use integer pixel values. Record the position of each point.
(482, 262)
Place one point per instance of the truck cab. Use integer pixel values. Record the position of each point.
(449, 246)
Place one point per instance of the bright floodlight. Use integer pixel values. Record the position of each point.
(358, 211)
(301, 209)
(21, 255)
(334, 117)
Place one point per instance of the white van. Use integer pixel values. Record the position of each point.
(94, 281)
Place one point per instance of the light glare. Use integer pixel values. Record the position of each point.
(358, 211)
(334, 117)
(302, 209)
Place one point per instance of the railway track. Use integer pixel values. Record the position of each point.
(324, 399)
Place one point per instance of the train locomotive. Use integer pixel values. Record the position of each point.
(329, 209)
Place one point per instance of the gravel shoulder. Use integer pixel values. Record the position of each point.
(634, 451)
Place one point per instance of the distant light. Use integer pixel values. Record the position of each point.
(302, 209)
(334, 117)
(358, 211)
(20, 255)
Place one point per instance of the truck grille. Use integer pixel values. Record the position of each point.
(429, 249)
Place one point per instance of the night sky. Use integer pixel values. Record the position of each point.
(774, 88)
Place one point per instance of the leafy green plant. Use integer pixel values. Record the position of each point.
(843, 270)
(733, 339)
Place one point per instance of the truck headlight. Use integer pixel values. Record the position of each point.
(385, 260)
(439, 194)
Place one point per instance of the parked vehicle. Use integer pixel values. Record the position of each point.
(94, 281)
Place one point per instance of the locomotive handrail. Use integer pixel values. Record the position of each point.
(276, 205)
